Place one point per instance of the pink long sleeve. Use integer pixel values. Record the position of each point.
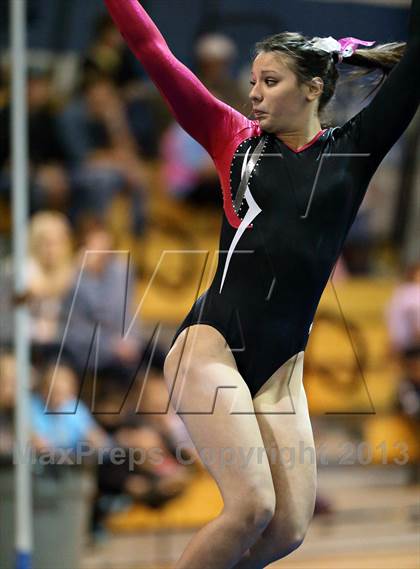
(207, 119)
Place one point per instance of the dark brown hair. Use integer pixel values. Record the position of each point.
(308, 62)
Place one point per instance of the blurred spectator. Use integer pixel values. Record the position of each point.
(103, 152)
(44, 139)
(154, 475)
(215, 54)
(108, 55)
(403, 312)
(48, 182)
(99, 302)
(188, 170)
(97, 108)
(50, 275)
(129, 120)
(59, 418)
(139, 424)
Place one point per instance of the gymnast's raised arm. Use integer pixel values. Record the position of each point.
(203, 116)
(386, 117)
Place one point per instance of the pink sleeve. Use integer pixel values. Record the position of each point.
(207, 119)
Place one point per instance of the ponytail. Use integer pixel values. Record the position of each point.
(382, 57)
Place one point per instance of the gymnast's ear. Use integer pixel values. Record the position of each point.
(314, 88)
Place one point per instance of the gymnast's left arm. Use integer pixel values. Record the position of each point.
(386, 117)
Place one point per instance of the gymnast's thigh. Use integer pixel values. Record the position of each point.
(208, 413)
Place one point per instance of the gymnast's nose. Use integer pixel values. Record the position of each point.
(255, 93)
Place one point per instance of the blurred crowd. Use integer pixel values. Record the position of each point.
(94, 400)
(85, 149)
(90, 356)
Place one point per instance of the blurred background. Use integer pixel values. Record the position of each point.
(111, 172)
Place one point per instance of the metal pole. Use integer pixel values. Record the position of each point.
(23, 489)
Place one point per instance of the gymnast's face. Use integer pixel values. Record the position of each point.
(278, 101)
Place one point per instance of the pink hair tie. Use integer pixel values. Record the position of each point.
(349, 45)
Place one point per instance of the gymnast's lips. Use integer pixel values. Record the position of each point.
(259, 114)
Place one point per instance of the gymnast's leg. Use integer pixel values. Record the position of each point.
(200, 366)
(294, 475)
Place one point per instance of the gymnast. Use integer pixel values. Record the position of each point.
(291, 190)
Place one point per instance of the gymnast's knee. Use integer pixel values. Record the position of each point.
(252, 517)
(291, 546)
(286, 544)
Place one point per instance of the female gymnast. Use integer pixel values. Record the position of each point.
(291, 190)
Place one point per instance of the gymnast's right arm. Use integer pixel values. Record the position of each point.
(203, 116)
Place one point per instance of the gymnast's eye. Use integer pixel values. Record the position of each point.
(252, 83)
(271, 81)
